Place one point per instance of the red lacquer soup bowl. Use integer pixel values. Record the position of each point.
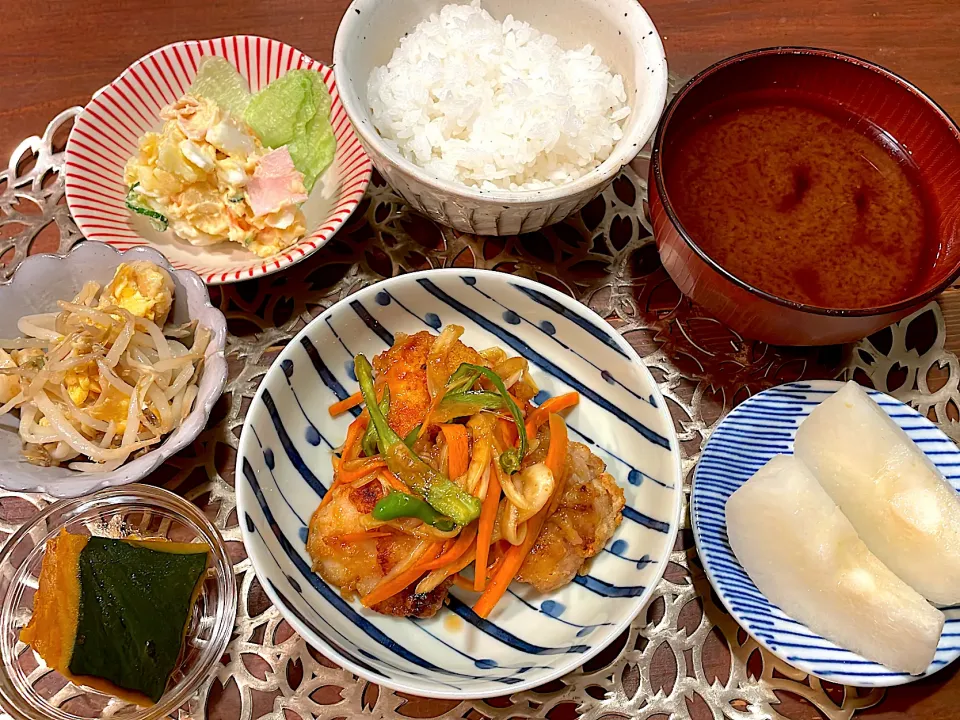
(916, 135)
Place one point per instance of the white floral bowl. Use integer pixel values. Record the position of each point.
(35, 287)
(105, 136)
(624, 37)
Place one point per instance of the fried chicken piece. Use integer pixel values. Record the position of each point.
(404, 368)
(588, 514)
(356, 567)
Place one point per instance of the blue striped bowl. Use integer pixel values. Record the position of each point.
(283, 469)
(758, 429)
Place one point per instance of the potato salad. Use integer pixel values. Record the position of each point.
(230, 166)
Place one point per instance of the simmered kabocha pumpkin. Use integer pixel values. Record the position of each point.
(112, 614)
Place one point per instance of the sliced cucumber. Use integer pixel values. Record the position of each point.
(159, 220)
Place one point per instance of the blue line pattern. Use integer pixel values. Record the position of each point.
(758, 429)
(283, 469)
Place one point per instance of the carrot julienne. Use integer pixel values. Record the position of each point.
(388, 589)
(351, 446)
(340, 407)
(362, 470)
(551, 405)
(393, 481)
(455, 551)
(458, 449)
(488, 516)
(513, 560)
(508, 432)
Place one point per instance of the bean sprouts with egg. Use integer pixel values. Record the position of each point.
(100, 380)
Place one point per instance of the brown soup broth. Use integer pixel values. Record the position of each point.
(803, 201)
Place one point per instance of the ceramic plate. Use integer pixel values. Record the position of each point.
(283, 469)
(36, 286)
(105, 136)
(743, 442)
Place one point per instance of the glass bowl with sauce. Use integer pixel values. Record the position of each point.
(806, 197)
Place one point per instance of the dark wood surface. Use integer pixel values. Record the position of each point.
(55, 54)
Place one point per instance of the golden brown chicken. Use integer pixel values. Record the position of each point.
(382, 545)
(356, 566)
(589, 512)
(404, 368)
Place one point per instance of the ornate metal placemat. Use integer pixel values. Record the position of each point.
(684, 656)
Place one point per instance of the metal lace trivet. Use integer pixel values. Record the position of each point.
(684, 656)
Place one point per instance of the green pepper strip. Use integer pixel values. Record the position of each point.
(400, 505)
(159, 220)
(370, 436)
(445, 496)
(412, 436)
(465, 403)
(509, 460)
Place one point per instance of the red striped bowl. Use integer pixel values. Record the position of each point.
(105, 135)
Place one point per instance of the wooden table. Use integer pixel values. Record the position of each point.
(56, 54)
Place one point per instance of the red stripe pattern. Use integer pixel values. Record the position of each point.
(106, 133)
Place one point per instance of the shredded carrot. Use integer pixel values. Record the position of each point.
(549, 406)
(338, 408)
(358, 536)
(391, 587)
(458, 449)
(393, 481)
(361, 470)
(508, 432)
(351, 446)
(488, 516)
(557, 454)
(461, 582)
(455, 550)
(556, 457)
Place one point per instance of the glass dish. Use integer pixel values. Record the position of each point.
(31, 691)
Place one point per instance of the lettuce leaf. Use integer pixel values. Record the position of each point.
(294, 110)
(219, 81)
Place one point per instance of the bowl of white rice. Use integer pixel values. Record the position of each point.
(495, 117)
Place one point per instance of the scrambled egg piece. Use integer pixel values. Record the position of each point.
(195, 173)
(141, 288)
(113, 405)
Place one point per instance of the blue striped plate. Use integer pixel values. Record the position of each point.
(283, 469)
(742, 443)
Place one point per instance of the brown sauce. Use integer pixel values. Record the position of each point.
(803, 202)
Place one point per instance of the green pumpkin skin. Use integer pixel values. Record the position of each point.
(135, 603)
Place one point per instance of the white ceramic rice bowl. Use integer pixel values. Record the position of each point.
(621, 33)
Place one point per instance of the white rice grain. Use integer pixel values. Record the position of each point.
(496, 105)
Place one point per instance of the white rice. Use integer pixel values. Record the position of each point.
(496, 105)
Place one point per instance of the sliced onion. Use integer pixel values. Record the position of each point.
(514, 531)
(408, 562)
(437, 374)
(432, 580)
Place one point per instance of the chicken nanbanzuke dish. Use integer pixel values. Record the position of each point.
(450, 467)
